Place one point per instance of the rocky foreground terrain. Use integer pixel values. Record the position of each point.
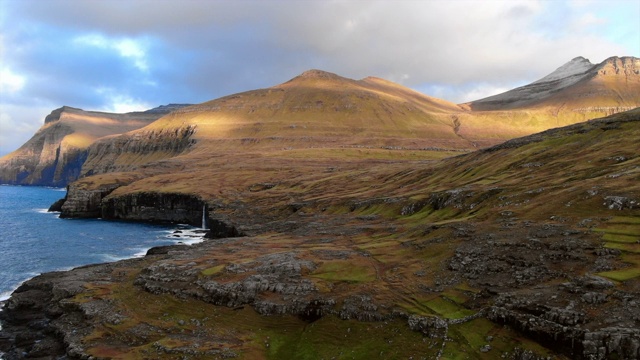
(525, 250)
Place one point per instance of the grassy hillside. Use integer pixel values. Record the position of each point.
(541, 228)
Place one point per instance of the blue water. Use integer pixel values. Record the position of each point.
(33, 241)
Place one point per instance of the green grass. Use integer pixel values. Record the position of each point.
(628, 273)
(447, 308)
(332, 338)
(622, 275)
(468, 338)
(345, 270)
(213, 270)
(621, 238)
(625, 247)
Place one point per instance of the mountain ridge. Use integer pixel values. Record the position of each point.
(578, 73)
(56, 153)
(325, 110)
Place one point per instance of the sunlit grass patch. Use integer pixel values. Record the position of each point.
(345, 270)
(628, 273)
(622, 275)
(331, 337)
(470, 337)
(213, 270)
(441, 305)
(632, 248)
(620, 238)
(447, 308)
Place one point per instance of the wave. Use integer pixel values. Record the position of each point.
(140, 253)
(5, 296)
(112, 257)
(45, 211)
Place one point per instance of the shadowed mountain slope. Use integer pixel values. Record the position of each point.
(55, 154)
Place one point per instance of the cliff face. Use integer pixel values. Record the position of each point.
(46, 159)
(130, 151)
(154, 207)
(55, 154)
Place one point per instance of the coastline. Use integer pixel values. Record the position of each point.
(192, 235)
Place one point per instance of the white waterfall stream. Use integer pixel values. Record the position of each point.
(204, 216)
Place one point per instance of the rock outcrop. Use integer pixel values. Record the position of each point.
(154, 207)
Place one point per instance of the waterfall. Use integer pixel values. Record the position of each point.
(204, 216)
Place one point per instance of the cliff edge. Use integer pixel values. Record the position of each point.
(57, 151)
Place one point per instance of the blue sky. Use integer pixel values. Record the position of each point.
(126, 55)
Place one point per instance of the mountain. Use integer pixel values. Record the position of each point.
(352, 217)
(612, 85)
(324, 114)
(56, 153)
(524, 250)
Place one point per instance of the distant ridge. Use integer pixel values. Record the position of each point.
(578, 82)
(57, 151)
(317, 110)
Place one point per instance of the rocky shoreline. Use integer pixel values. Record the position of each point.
(52, 315)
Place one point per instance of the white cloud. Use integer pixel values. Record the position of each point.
(125, 47)
(10, 82)
(132, 49)
(92, 40)
(482, 91)
(119, 103)
(18, 124)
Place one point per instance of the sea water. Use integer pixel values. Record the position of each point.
(33, 240)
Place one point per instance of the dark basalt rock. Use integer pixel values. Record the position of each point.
(57, 206)
(154, 207)
(164, 250)
(219, 229)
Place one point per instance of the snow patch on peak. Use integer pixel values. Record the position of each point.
(577, 66)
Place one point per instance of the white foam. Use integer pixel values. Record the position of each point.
(186, 234)
(192, 241)
(112, 258)
(140, 253)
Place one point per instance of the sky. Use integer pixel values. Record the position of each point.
(128, 55)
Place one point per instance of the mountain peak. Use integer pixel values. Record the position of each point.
(315, 76)
(318, 74)
(577, 66)
(576, 81)
(55, 114)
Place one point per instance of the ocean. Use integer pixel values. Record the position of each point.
(33, 241)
